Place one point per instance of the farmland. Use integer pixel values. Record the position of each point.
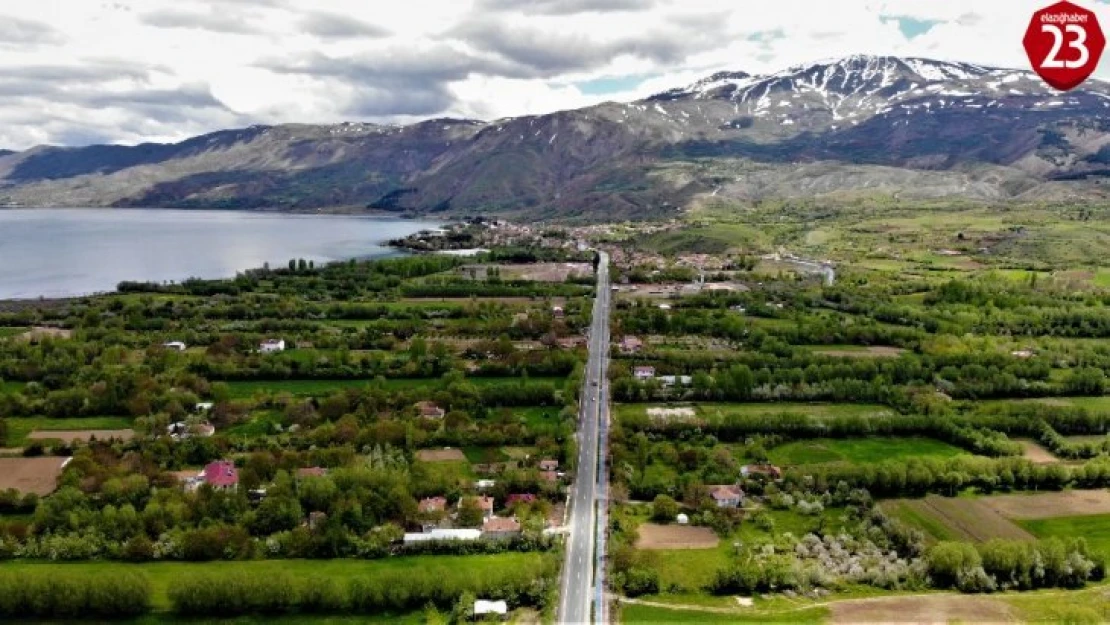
(30, 475)
(877, 449)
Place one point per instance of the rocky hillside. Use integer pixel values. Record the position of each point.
(903, 127)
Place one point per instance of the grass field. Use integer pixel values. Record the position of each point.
(485, 455)
(638, 613)
(20, 427)
(871, 449)
(163, 574)
(1094, 528)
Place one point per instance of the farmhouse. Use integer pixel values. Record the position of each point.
(270, 346)
(429, 410)
(761, 470)
(631, 345)
(644, 373)
(726, 495)
(500, 528)
(221, 475)
(174, 345)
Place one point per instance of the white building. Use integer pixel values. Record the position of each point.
(643, 373)
(177, 345)
(483, 607)
(442, 534)
(270, 346)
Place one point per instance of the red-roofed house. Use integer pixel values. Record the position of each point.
(643, 373)
(549, 464)
(312, 472)
(221, 474)
(630, 345)
(429, 410)
(500, 528)
(432, 504)
(726, 495)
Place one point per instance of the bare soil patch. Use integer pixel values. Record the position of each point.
(69, 436)
(940, 609)
(440, 455)
(653, 536)
(1033, 452)
(31, 475)
(1050, 505)
(546, 272)
(872, 351)
(974, 519)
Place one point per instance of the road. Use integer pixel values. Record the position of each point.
(577, 586)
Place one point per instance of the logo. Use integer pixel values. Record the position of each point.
(1064, 43)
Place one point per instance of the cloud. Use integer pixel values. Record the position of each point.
(335, 26)
(15, 32)
(174, 18)
(565, 7)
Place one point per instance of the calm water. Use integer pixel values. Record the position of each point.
(61, 252)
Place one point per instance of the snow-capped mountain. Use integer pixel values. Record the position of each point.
(905, 126)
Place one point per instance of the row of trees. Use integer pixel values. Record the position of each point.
(57, 594)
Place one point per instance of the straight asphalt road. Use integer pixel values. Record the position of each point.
(576, 591)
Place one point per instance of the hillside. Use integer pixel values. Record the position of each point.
(908, 128)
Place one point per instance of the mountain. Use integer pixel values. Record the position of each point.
(907, 127)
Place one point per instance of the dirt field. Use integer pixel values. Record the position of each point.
(546, 272)
(440, 455)
(873, 351)
(69, 436)
(1050, 505)
(654, 536)
(1033, 452)
(973, 519)
(31, 475)
(938, 609)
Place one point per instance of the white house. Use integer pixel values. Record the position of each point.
(483, 607)
(726, 495)
(204, 406)
(177, 345)
(644, 373)
(270, 346)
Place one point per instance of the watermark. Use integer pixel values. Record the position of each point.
(1064, 43)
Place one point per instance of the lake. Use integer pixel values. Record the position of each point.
(65, 252)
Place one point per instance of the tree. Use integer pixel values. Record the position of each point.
(664, 508)
(470, 512)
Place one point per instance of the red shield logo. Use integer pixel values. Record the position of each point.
(1064, 43)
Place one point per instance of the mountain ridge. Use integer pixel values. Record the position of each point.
(874, 122)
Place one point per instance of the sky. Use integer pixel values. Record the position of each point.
(75, 72)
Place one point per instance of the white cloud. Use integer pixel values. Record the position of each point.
(135, 70)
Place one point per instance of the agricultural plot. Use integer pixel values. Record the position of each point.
(31, 475)
(1094, 528)
(860, 450)
(1049, 505)
(20, 429)
(70, 436)
(440, 455)
(857, 351)
(1034, 452)
(654, 536)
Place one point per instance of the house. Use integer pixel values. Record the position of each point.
(441, 534)
(726, 495)
(631, 345)
(432, 504)
(764, 470)
(485, 484)
(519, 498)
(500, 528)
(270, 346)
(311, 472)
(549, 464)
(429, 410)
(175, 345)
(671, 380)
(221, 475)
(204, 406)
(483, 607)
(643, 373)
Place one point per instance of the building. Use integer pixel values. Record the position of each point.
(270, 346)
(175, 345)
(500, 528)
(726, 495)
(204, 406)
(761, 470)
(643, 373)
(441, 534)
(549, 464)
(483, 607)
(558, 312)
(631, 345)
(221, 475)
(429, 410)
(432, 504)
(311, 472)
(485, 484)
(664, 306)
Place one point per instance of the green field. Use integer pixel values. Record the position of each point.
(871, 449)
(163, 574)
(11, 387)
(911, 516)
(1101, 404)
(1094, 528)
(20, 427)
(485, 455)
(636, 613)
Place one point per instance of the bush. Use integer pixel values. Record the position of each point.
(55, 594)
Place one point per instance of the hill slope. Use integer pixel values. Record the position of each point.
(901, 126)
